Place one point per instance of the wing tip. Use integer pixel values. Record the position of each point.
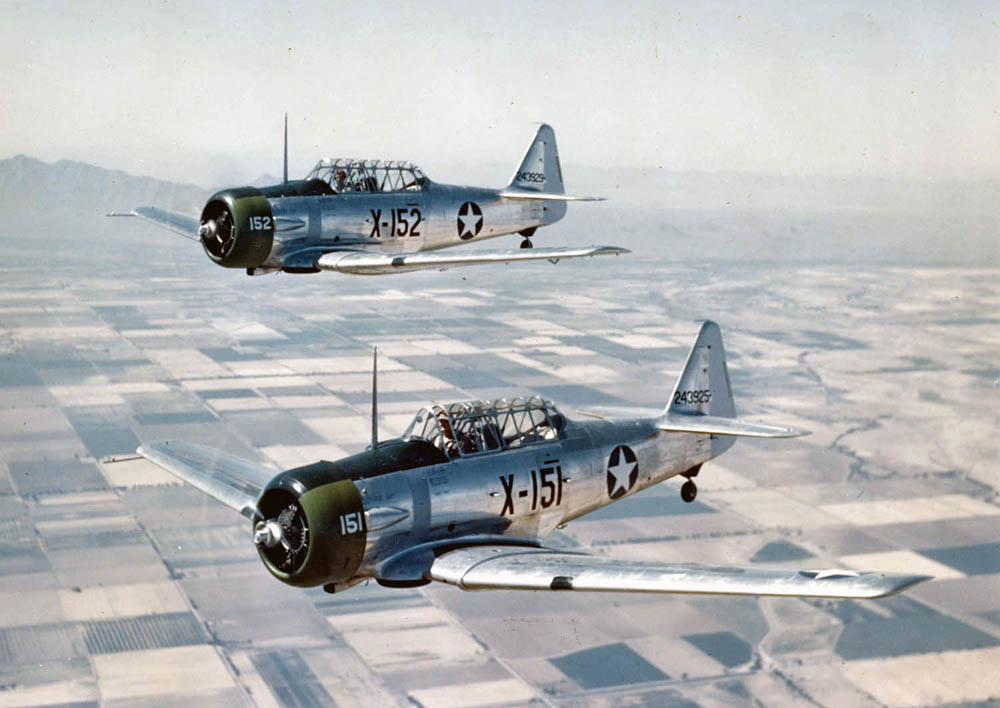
(154, 450)
(874, 584)
(152, 445)
(610, 250)
(863, 585)
(896, 584)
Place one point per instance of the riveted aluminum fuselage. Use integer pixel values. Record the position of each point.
(522, 493)
(407, 221)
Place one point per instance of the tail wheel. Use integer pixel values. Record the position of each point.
(526, 243)
(689, 490)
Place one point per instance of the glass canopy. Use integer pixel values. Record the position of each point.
(477, 427)
(347, 176)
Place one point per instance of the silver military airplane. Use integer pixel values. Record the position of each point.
(470, 490)
(372, 217)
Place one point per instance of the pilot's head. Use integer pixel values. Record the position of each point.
(341, 176)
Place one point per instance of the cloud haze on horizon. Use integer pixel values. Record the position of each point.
(188, 93)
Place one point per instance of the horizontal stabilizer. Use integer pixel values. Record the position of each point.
(526, 568)
(542, 196)
(363, 263)
(716, 425)
(184, 224)
(619, 412)
(232, 480)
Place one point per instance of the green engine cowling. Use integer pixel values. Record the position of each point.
(237, 228)
(308, 537)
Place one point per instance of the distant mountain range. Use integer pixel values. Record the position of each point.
(32, 185)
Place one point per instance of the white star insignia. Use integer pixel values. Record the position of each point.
(621, 472)
(469, 220)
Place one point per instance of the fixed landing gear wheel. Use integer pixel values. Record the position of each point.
(689, 491)
(526, 243)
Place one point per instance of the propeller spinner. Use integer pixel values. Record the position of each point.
(285, 539)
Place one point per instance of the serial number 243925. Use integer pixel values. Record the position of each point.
(703, 395)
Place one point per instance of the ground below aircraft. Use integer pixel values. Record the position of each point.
(470, 490)
(373, 217)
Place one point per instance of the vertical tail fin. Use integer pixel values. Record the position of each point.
(703, 387)
(702, 400)
(540, 171)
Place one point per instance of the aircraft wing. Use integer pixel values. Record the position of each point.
(529, 568)
(366, 263)
(232, 480)
(184, 224)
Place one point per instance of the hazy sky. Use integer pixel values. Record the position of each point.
(180, 91)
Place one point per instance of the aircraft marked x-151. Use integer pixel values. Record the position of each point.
(470, 490)
(372, 217)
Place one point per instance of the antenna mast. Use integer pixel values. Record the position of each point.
(375, 399)
(285, 177)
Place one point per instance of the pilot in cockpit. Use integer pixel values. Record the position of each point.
(447, 435)
(340, 182)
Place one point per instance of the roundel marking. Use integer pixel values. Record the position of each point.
(623, 471)
(470, 220)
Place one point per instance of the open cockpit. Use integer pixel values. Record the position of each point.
(469, 428)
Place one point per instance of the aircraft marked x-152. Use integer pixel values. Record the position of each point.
(470, 490)
(372, 217)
